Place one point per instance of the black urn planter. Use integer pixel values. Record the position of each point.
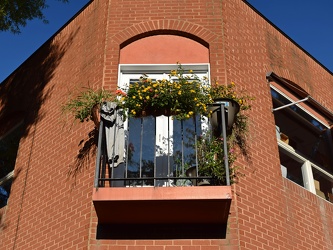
(231, 108)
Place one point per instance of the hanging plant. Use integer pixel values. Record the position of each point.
(86, 106)
(210, 147)
(211, 158)
(240, 126)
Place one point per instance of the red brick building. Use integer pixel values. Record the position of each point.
(283, 201)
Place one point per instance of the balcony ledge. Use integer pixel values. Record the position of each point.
(163, 205)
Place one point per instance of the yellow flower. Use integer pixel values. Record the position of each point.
(191, 71)
(133, 112)
(147, 97)
(133, 97)
(179, 92)
(190, 113)
(232, 84)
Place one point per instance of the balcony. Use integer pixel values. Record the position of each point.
(206, 204)
(156, 182)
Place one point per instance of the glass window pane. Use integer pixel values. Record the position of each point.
(303, 133)
(292, 167)
(9, 145)
(323, 184)
(141, 162)
(161, 146)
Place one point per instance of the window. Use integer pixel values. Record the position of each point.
(305, 145)
(9, 144)
(158, 141)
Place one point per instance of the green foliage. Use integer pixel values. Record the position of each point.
(81, 106)
(211, 149)
(15, 13)
(211, 158)
(228, 91)
(182, 95)
(240, 127)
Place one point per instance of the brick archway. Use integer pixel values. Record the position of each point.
(186, 29)
(169, 26)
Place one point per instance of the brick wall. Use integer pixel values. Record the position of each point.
(50, 206)
(265, 201)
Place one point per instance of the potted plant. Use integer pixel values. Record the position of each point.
(183, 95)
(211, 159)
(86, 105)
(233, 103)
(210, 145)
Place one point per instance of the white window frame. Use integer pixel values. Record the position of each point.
(135, 71)
(307, 165)
(302, 108)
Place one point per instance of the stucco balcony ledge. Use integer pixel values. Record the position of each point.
(162, 205)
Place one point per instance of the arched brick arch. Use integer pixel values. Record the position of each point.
(211, 40)
(169, 26)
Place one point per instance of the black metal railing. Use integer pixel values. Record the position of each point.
(109, 175)
(149, 158)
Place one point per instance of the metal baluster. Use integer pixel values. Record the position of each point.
(141, 145)
(98, 157)
(225, 146)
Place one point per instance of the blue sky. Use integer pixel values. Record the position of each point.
(16, 48)
(308, 22)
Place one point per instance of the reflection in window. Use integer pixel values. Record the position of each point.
(280, 100)
(160, 147)
(323, 185)
(292, 167)
(9, 144)
(306, 135)
(304, 141)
